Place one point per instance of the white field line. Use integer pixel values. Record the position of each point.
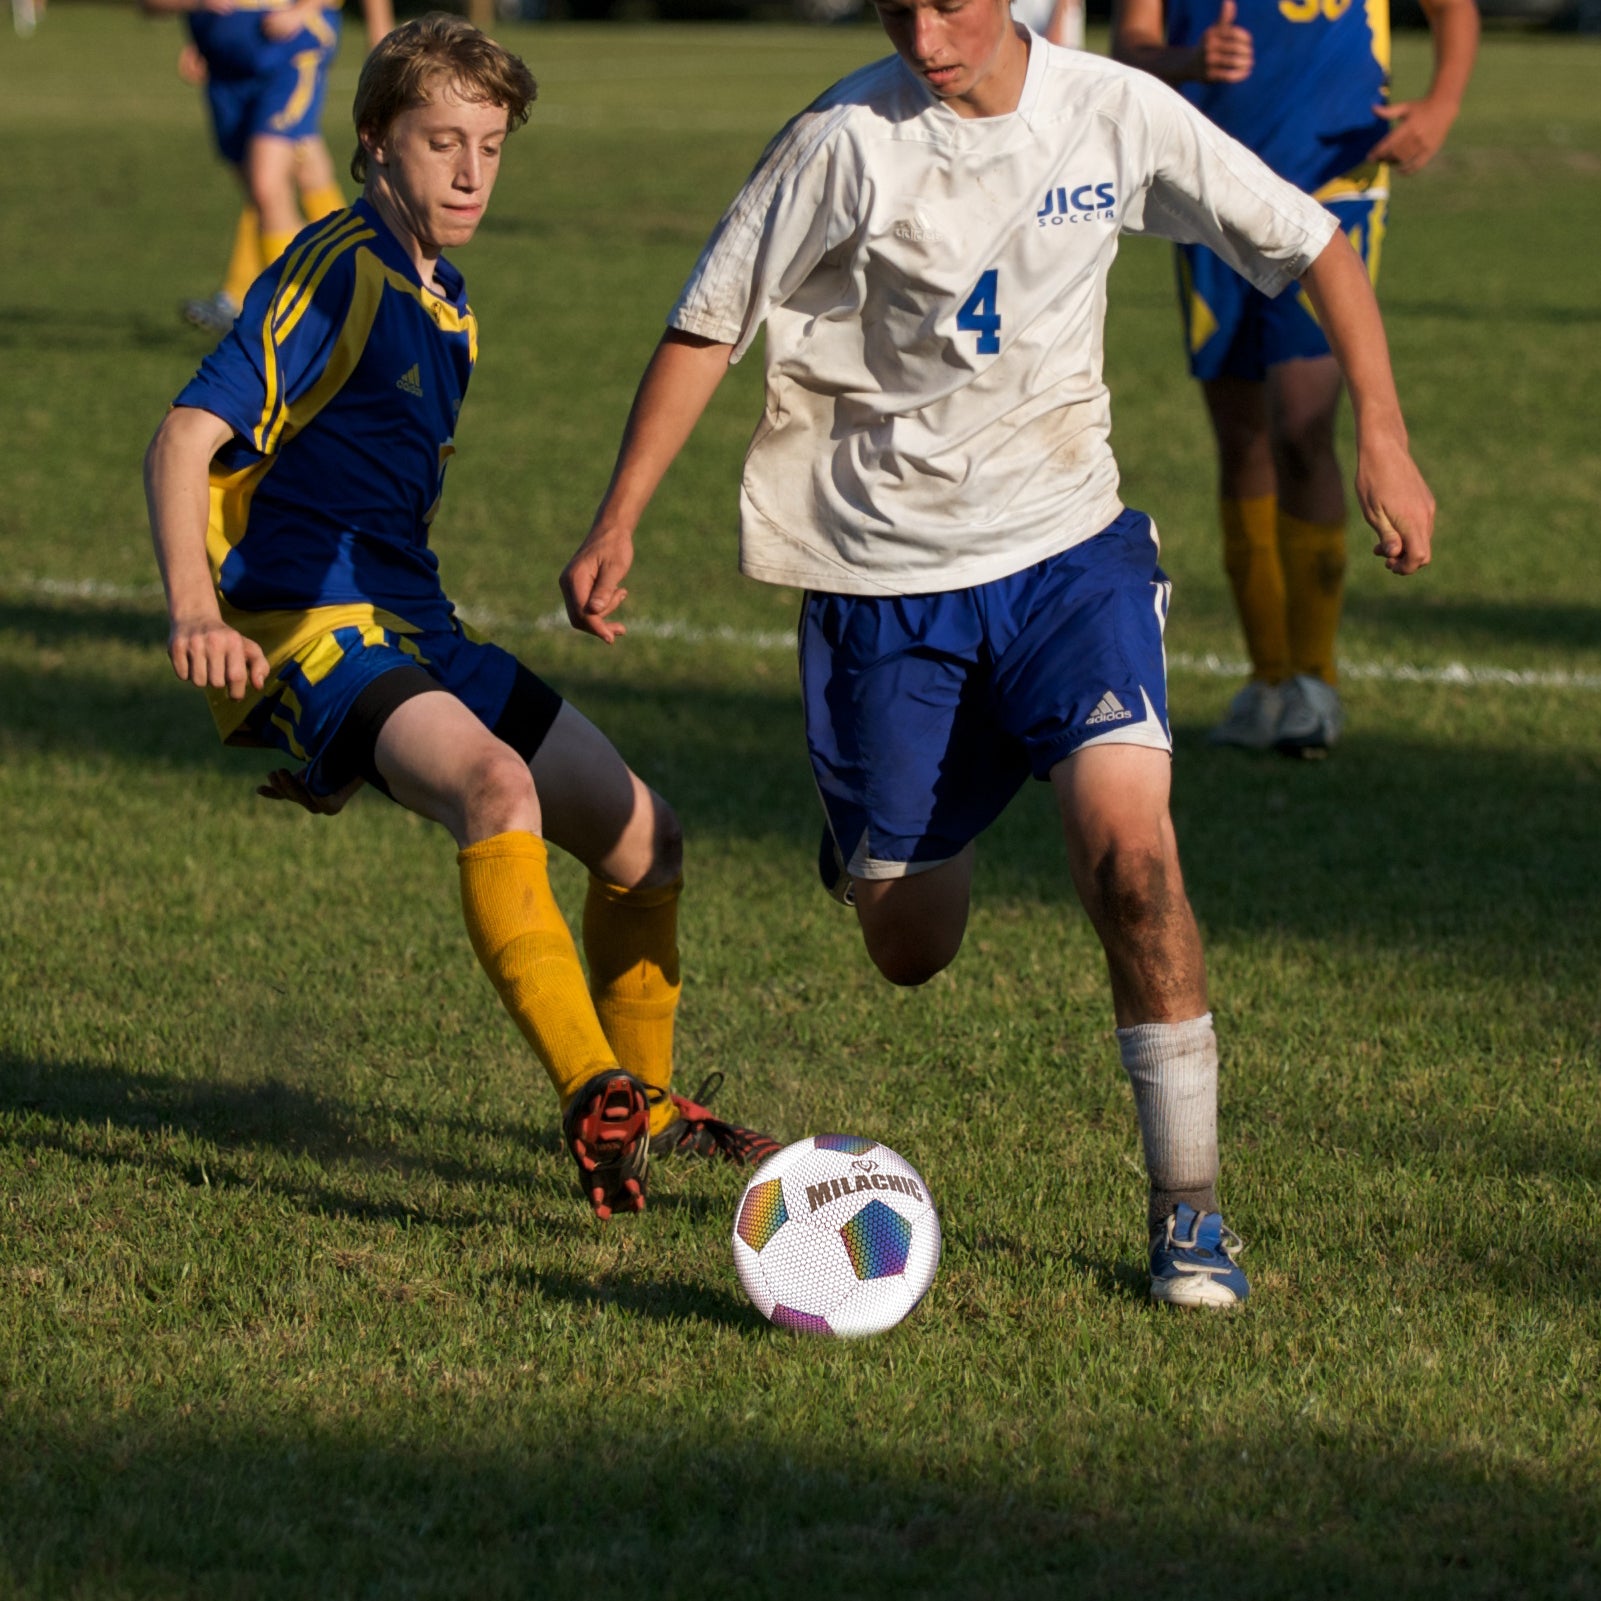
(1473, 675)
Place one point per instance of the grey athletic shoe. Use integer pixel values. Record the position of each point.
(1310, 720)
(1253, 718)
(213, 314)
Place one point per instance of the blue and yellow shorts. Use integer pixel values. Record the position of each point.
(324, 704)
(282, 98)
(1233, 330)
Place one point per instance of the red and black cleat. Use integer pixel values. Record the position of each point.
(607, 1127)
(695, 1132)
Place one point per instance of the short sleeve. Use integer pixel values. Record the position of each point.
(1208, 189)
(799, 204)
(279, 346)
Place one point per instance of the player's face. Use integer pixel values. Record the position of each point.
(435, 168)
(966, 51)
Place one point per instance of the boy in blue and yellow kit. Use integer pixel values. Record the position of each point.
(1303, 83)
(291, 490)
(264, 64)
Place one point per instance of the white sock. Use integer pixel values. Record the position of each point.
(1173, 1070)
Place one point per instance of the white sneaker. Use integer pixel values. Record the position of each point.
(1311, 718)
(215, 314)
(1253, 718)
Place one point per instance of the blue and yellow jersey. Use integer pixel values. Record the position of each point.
(342, 380)
(1307, 108)
(234, 46)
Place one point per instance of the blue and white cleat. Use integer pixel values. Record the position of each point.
(1192, 1261)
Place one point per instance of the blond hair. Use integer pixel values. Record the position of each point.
(411, 62)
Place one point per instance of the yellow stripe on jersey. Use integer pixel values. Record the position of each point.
(303, 272)
(1379, 30)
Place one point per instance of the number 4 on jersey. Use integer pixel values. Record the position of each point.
(980, 314)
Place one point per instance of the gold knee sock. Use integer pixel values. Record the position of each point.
(631, 943)
(523, 944)
(244, 262)
(1251, 559)
(322, 201)
(1313, 557)
(273, 245)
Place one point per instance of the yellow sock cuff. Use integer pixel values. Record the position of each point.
(322, 201)
(273, 245)
(631, 942)
(1313, 557)
(244, 261)
(524, 945)
(1251, 559)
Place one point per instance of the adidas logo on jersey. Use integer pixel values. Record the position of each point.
(1109, 710)
(1089, 202)
(410, 381)
(918, 230)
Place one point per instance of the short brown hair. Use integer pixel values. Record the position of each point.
(409, 62)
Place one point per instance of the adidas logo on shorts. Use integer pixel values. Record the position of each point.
(1109, 710)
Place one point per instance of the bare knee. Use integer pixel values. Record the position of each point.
(666, 844)
(497, 794)
(913, 926)
(908, 959)
(1136, 887)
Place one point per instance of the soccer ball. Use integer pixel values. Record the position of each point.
(836, 1235)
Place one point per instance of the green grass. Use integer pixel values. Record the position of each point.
(296, 1296)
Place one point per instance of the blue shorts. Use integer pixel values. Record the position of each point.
(309, 696)
(1233, 330)
(282, 100)
(926, 713)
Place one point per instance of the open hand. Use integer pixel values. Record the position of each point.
(291, 786)
(1417, 130)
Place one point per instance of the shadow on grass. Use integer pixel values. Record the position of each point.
(47, 328)
(491, 1496)
(314, 1149)
(1399, 843)
(1475, 629)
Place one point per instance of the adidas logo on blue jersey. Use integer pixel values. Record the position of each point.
(1089, 202)
(410, 381)
(1109, 709)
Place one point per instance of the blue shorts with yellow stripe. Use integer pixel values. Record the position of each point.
(1233, 330)
(283, 99)
(309, 695)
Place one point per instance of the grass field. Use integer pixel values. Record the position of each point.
(296, 1293)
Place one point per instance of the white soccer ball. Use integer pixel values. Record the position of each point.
(836, 1235)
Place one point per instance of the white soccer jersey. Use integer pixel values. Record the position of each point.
(934, 290)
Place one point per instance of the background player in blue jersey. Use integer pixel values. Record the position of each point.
(264, 66)
(1303, 83)
(291, 491)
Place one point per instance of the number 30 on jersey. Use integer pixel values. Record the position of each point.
(981, 314)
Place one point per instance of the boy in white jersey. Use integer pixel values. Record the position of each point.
(928, 246)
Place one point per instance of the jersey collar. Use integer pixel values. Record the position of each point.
(392, 254)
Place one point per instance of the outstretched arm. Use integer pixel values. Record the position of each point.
(1139, 38)
(682, 377)
(203, 649)
(1389, 488)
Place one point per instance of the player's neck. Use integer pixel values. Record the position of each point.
(424, 255)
